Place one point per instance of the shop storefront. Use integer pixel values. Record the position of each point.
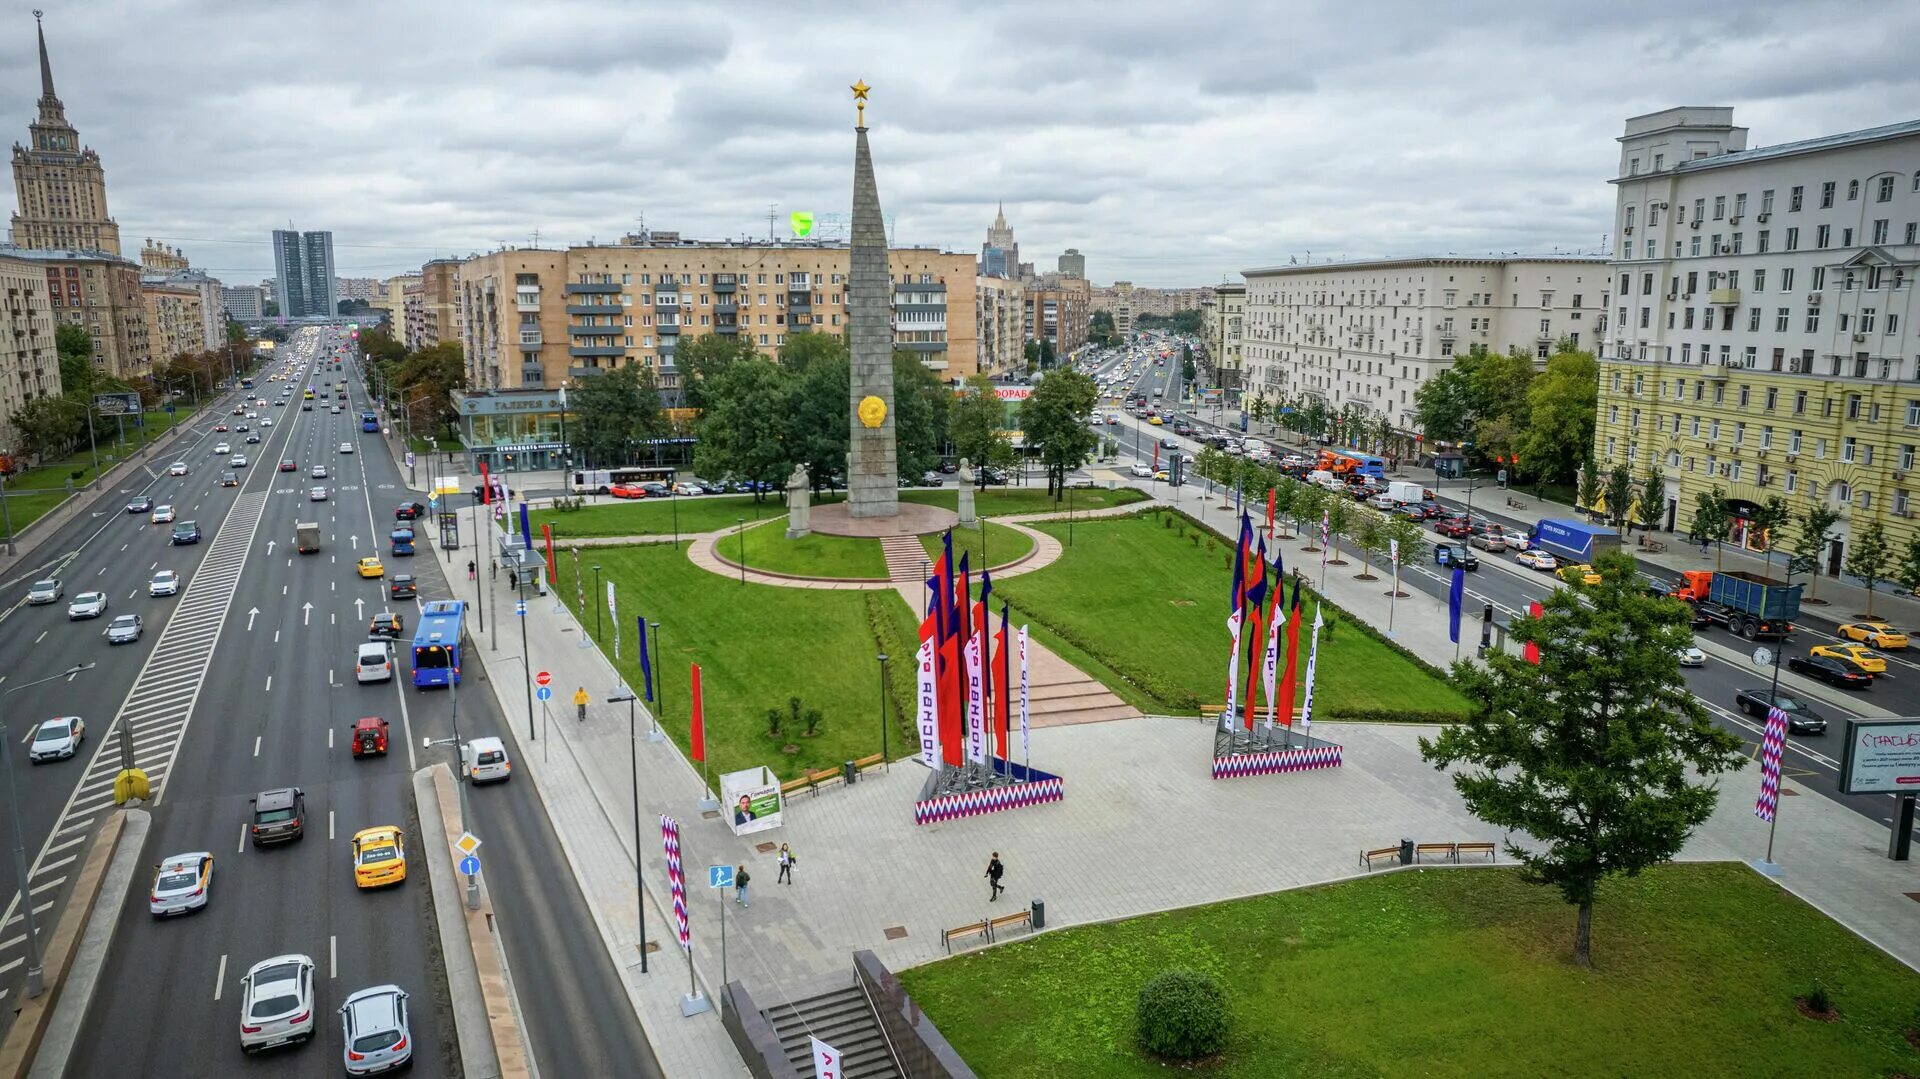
(512, 430)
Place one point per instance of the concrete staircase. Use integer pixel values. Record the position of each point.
(905, 559)
(842, 1019)
(1059, 695)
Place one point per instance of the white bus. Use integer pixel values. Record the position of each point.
(601, 480)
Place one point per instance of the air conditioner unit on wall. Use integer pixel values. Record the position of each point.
(1764, 217)
(1735, 220)
(1813, 298)
(1695, 223)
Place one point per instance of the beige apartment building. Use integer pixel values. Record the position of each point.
(432, 305)
(534, 318)
(174, 322)
(1370, 333)
(1222, 312)
(1000, 324)
(101, 294)
(29, 363)
(392, 299)
(1057, 309)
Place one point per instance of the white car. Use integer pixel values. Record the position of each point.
(164, 582)
(317, 494)
(346, 447)
(178, 468)
(276, 1002)
(1539, 560)
(181, 883)
(87, 605)
(161, 515)
(377, 1037)
(318, 472)
(374, 662)
(57, 739)
(47, 591)
(1516, 538)
(125, 629)
(1691, 656)
(239, 460)
(268, 422)
(1143, 471)
(220, 448)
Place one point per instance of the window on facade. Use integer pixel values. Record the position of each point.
(1762, 241)
(1823, 236)
(1853, 190)
(1753, 319)
(1826, 195)
(1879, 231)
(1781, 318)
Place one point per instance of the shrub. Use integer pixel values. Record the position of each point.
(813, 721)
(1819, 1000)
(773, 721)
(1182, 1015)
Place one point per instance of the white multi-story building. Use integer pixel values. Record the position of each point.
(1764, 331)
(1371, 333)
(244, 303)
(999, 314)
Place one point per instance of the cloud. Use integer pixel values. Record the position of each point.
(1170, 144)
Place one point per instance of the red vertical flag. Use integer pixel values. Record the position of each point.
(553, 579)
(486, 488)
(1533, 650)
(1293, 658)
(1001, 711)
(699, 738)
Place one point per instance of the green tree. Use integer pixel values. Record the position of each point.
(1047, 358)
(1186, 364)
(1653, 498)
(819, 414)
(1598, 753)
(1870, 559)
(1561, 405)
(50, 427)
(803, 349)
(1308, 500)
(702, 359)
(1619, 495)
(1257, 411)
(1054, 418)
(430, 376)
(377, 345)
(75, 347)
(1285, 490)
(1339, 518)
(1813, 533)
(1369, 529)
(611, 415)
(1482, 399)
(1101, 330)
(1767, 519)
(1207, 463)
(1411, 540)
(743, 426)
(1908, 572)
(977, 423)
(1711, 519)
(1589, 489)
(1032, 351)
(921, 403)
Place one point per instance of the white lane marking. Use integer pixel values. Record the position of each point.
(276, 636)
(42, 637)
(283, 590)
(333, 957)
(329, 824)
(220, 978)
(329, 737)
(269, 683)
(124, 546)
(153, 567)
(242, 848)
(256, 745)
(103, 570)
(51, 866)
(49, 885)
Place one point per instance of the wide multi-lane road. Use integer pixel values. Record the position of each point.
(246, 682)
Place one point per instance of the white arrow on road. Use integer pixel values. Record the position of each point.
(306, 613)
(355, 541)
(251, 615)
(270, 544)
(357, 612)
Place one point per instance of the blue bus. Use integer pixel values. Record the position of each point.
(369, 421)
(437, 643)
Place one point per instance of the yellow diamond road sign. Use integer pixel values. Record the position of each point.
(467, 843)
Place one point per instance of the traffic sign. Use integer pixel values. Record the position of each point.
(545, 693)
(543, 678)
(433, 502)
(520, 607)
(470, 865)
(467, 844)
(719, 876)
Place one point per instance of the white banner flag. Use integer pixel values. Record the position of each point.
(1025, 750)
(826, 1060)
(1313, 653)
(613, 612)
(927, 714)
(1270, 668)
(1393, 551)
(1233, 670)
(976, 714)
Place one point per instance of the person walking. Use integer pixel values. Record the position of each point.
(994, 870)
(786, 865)
(513, 578)
(472, 570)
(580, 702)
(741, 878)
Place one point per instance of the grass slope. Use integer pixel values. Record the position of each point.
(1000, 543)
(655, 517)
(812, 555)
(1005, 501)
(1450, 973)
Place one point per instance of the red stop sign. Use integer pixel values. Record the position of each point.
(543, 678)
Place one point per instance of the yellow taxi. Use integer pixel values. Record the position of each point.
(1879, 635)
(370, 567)
(1857, 656)
(379, 857)
(1579, 574)
(1156, 421)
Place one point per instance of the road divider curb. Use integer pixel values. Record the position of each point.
(485, 1013)
(44, 1033)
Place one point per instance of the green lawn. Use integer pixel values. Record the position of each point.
(1000, 543)
(756, 646)
(655, 517)
(1006, 501)
(1450, 973)
(422, 444)
(814, 555)
(1150, 606)
(53, 475)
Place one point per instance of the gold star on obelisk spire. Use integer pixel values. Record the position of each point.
(860, 100)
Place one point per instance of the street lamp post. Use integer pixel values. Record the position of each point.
(743, 552)
(883, 713)
(659, 685)
(6, 514)
(520, 603)
(639, 877)
(36, 975)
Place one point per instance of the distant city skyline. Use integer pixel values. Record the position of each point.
(1169, 152)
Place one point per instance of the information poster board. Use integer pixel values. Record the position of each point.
(750, 799)
(1881, 756)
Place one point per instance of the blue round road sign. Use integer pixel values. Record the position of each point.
(470, 865)
(545, 693)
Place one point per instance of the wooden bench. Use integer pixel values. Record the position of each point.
(792, 785)
(1022, 917)
(1447, 850)
(865, 763)
(983, 928)
(1475, 848)
(1367, 856)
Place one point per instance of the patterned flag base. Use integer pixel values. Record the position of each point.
(1262, 752)
(971, 791)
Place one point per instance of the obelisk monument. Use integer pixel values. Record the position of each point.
(872, 470)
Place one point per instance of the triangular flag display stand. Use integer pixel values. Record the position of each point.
(952, 793)
(1264, 750)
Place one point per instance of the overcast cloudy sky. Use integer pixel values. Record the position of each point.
(1171, 143)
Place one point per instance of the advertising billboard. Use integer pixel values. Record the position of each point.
(751, 800)
(1881, 756)
(117, 404)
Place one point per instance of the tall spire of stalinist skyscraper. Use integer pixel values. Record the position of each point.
(61, 185)
(46, 66)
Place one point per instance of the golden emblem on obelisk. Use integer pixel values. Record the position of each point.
(860, 100)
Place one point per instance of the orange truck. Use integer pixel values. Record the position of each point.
(1748, 604)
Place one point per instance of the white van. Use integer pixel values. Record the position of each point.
(487, 761)
(1321, 477)
(374, 662)
(1405, 493)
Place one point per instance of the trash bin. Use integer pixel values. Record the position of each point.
(1406, 852)
(848, 772)
(1039, 914)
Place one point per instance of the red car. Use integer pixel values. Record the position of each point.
(369, 737)
(627, 490)
(1452, 526)
(220, 427)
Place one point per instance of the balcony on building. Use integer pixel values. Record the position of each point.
(581, 288)
(593, 309)
(530, 337)
(724, 283)
(922, 346)
(726, 326)
(583, 351)
(587, 372)
(527, 299)
(666, 286)
(726, 305)
(535, 369)
(593, 331)
(667, 325)
(1723, 297)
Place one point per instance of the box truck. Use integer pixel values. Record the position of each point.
(307, 536)
(1574, 541)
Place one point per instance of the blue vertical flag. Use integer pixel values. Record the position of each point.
(1456, 595)
(526, 527)
(646, 662)
(963, 609)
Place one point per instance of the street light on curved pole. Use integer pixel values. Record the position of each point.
(36, 977)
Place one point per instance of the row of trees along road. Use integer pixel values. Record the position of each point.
(1536, 423)
(1351, 526)
(422, 381)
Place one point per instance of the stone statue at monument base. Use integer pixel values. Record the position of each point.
(799, 503)
(965, 479)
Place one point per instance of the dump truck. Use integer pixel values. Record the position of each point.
(1574, 541)
(1748, 604)
(307, 536)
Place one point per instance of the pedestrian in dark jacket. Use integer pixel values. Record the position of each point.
(786, 865)
(741, 878)
(994, 870)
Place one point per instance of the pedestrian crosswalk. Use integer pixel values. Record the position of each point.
(154, 718)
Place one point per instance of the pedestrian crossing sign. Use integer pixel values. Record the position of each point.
(719, 876)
